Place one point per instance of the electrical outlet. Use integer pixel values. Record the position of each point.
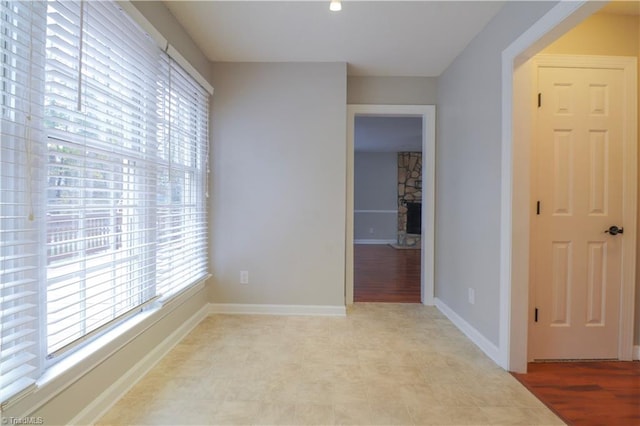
(472, 296)
(371, 230)
(244, 277)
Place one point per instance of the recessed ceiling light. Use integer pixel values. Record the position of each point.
(335, 6)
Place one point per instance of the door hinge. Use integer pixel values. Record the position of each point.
(539, 100)
(535, 315)
(538, 208)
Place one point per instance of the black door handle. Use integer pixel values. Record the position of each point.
(614, 230)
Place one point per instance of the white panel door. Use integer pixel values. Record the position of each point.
(576, 265)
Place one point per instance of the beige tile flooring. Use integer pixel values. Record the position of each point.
(382, 364)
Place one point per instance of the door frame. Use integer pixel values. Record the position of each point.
(428, 114)
(515, 180)
(629, 176)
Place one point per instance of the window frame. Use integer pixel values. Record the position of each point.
(107, 340)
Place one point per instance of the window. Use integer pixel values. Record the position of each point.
(119, 148)
(22, 27)
(182, 181)
(101, 118)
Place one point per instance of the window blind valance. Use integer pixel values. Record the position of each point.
(161, 41)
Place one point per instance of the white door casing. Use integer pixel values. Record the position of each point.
(576, 269)
(428, 114)
(518, 105)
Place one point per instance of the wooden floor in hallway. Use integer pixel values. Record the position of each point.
(588, 393)
(385, 274)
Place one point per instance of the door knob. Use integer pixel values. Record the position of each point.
(614, 230)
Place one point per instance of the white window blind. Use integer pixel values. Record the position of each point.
(101, 117)
(22, 29)
(103, 169)
(182, 236)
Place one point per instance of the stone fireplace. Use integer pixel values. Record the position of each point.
(414, 218)
(409, 198)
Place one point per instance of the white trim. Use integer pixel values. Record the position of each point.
(509, 300)
(514, 288)
(252, 309)
(490, 349)
(376, 211)
(107, 399)
(128, 7)
(144, 23)
(365, 241)
(586, 61)
(428, 114)
(636, 353)
(65, 373)
(186, 65)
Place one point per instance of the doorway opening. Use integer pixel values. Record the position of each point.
(387, 206)
(519, 100)
(383, 182)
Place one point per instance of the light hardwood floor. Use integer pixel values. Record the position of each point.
(381, 364)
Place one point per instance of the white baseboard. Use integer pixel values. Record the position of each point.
(363, 241)
(636, 353)
(474, 335)
(249, 309)
(107, 399)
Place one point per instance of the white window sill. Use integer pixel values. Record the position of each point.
(73, 367)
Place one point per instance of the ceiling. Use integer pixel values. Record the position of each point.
(375, 38)
(388, 134)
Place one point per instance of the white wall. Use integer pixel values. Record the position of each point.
(376, 188)
(278, 183)
(468, 182)
(391, 90)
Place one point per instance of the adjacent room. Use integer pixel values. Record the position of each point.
(387, 209)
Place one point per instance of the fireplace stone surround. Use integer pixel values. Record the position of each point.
(409, 194)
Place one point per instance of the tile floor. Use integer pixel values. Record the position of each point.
(382, 364)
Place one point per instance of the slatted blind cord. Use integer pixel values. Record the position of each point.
(169, 105)
(28, 121)
(80, 50)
